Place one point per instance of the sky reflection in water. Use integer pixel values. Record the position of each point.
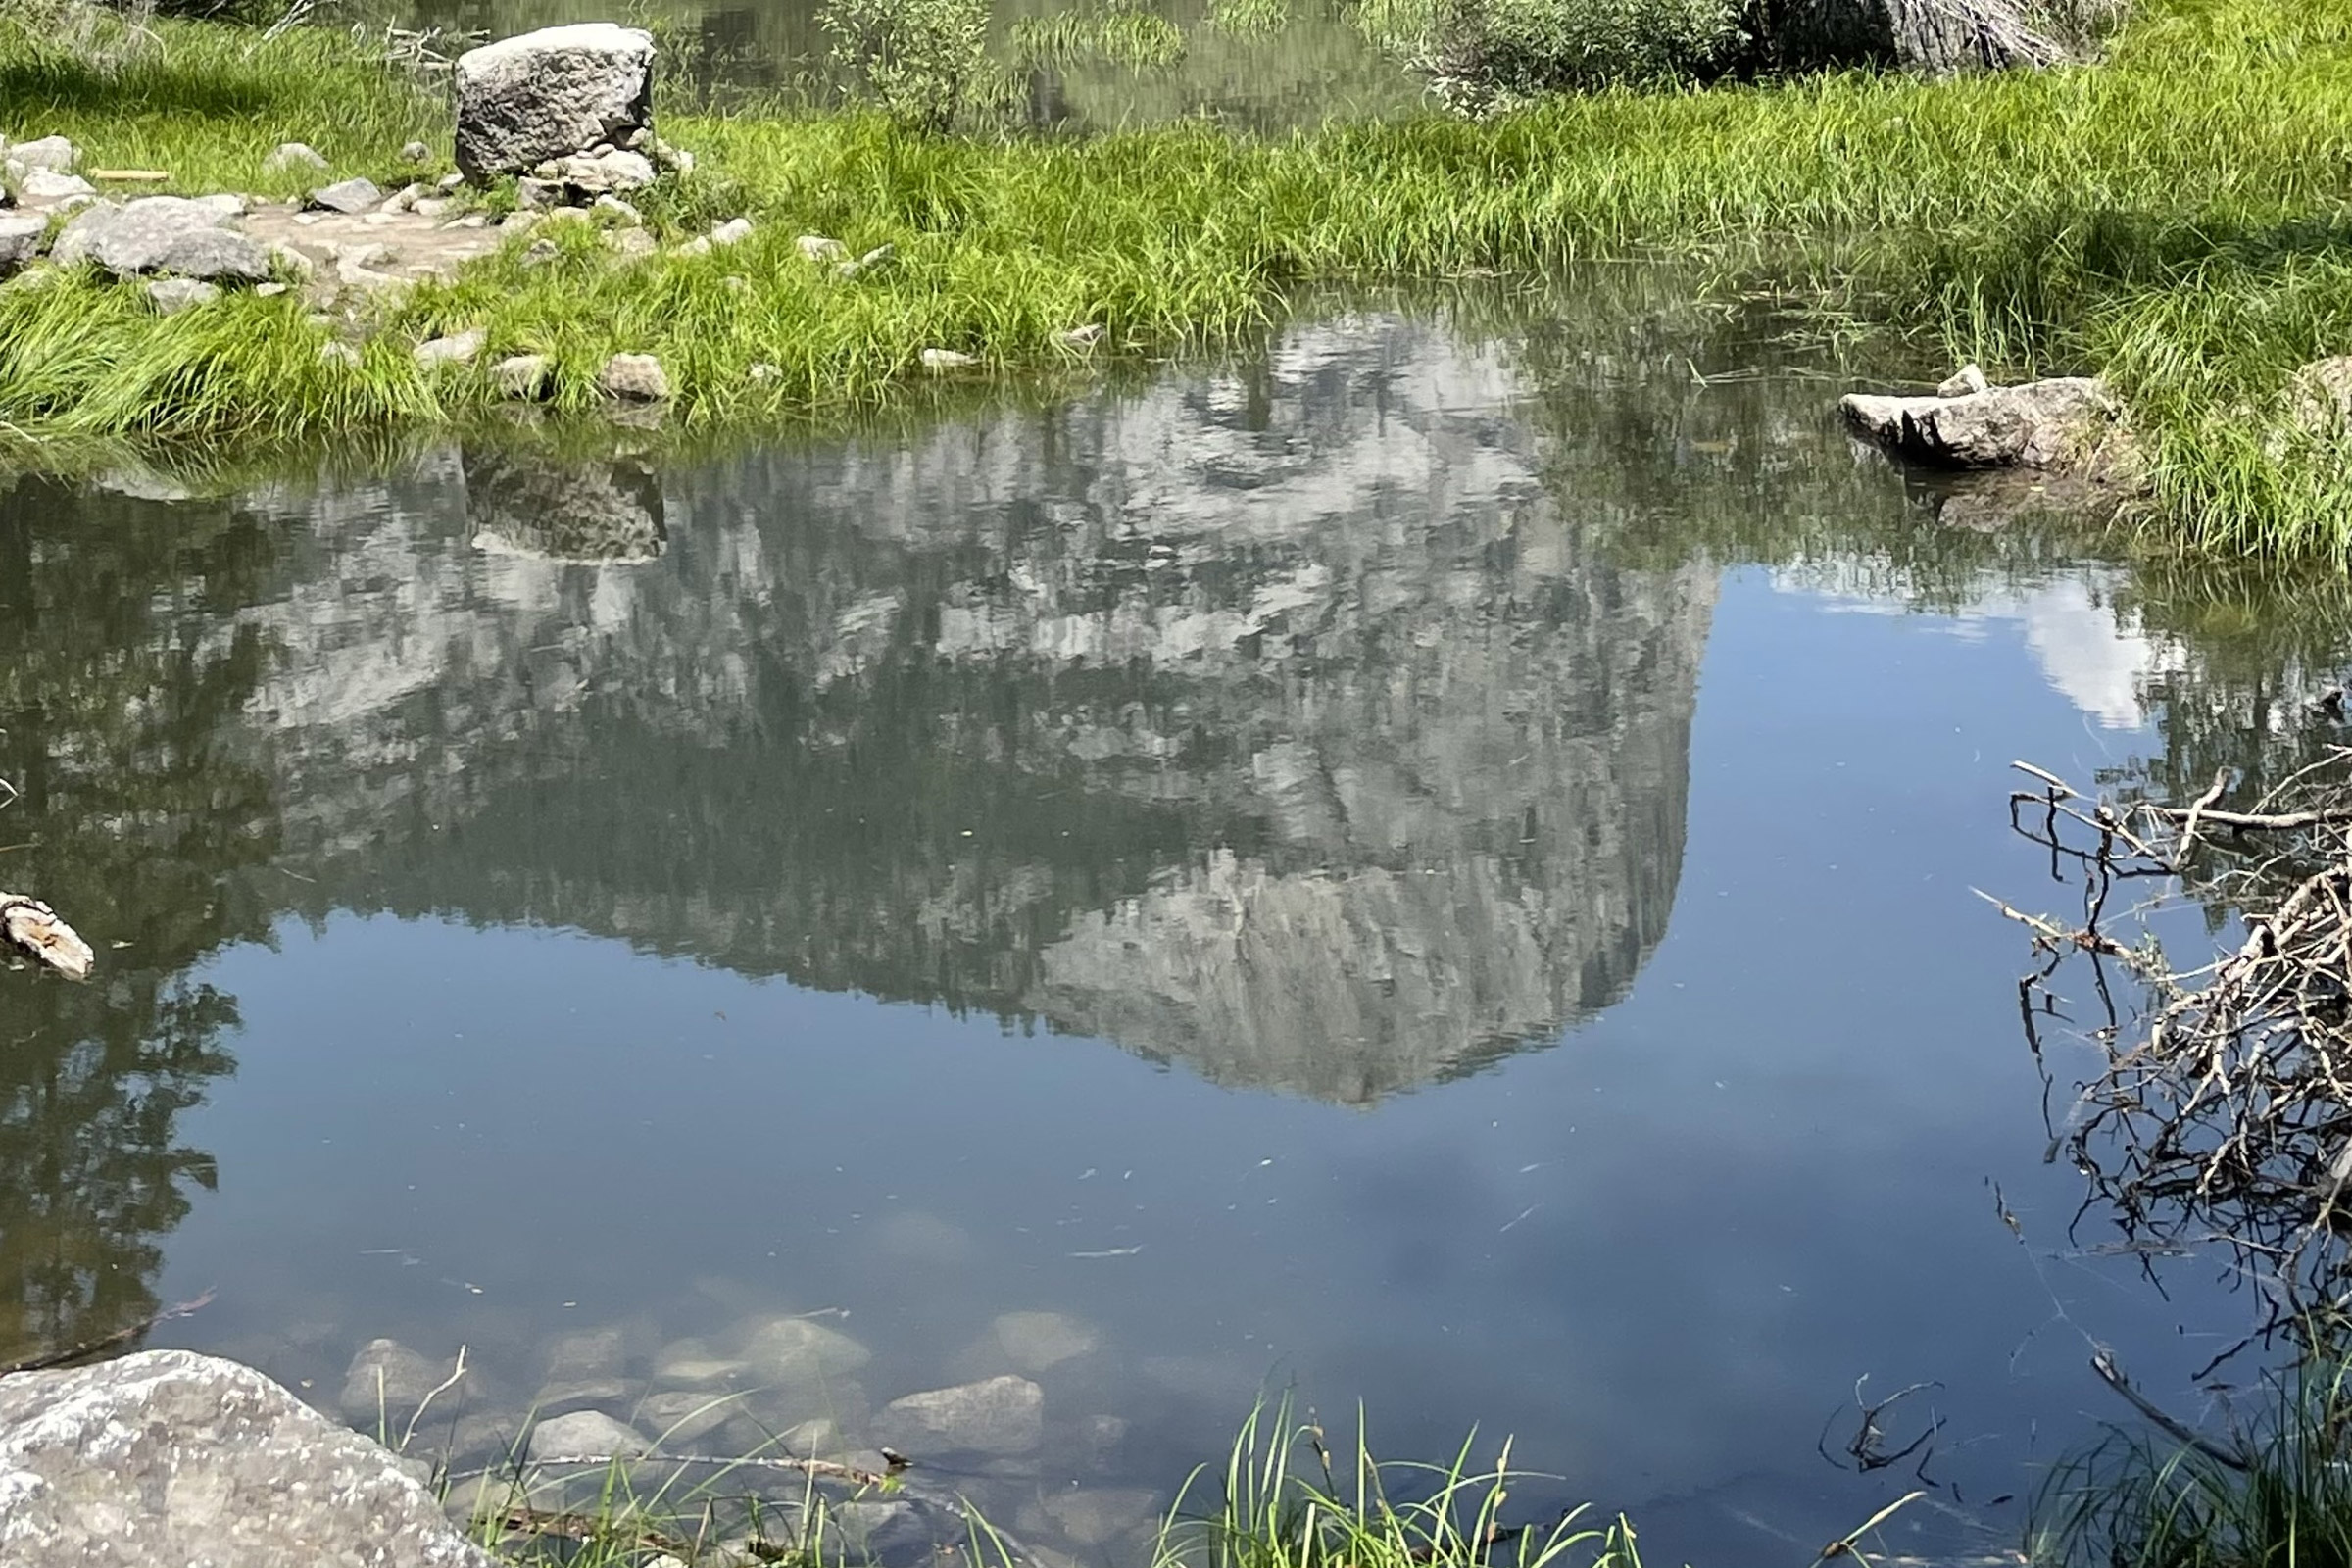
(1433, 864)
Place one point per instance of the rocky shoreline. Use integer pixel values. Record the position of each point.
(768, 1420)
(559, 119)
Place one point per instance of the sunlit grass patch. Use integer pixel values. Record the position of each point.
(2174, 217)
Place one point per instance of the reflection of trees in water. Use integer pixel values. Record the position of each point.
(119, 698)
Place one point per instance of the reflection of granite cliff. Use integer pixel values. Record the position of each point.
(1278, 723)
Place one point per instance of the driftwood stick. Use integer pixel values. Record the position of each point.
(34, 929)
(823, 1469)
(2258, 821)
(2103, 1363)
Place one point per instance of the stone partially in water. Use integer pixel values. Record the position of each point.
(693, 1364)
(681, 1415)
(997, 1416)
(819, 1439)
(900, 1532)
(633, 378)
(386, 1375)
(550, 94)
(795, 1350)
(1098, 1516)
(586, 1434)
(1035, 1341)
(566, 1395)
(2041, 425)
(166, 1456)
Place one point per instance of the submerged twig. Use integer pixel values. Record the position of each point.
(2102, 1361)
(2223, 1109)
(100, 1345)
(820, 1469)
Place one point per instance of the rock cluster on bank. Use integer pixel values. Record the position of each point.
(568, 110)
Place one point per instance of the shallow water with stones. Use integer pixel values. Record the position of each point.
(1429, 864)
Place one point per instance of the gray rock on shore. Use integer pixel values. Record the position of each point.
(161, 234)
(20, 240)
(347, 196)
(633, 378)
(173, 295)
(552, 93)
(459, 347)
(51, 188)
(53, 153)
(2319, 397)
(288, 155)
(167, 1457)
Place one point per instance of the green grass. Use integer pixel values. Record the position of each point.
(1279, 1500)
(2174, 217)
(2134, 1503)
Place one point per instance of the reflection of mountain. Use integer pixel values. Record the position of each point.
(1280, 724)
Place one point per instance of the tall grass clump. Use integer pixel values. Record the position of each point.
(205, 102)
(1282, 1500)
(2279, 1498)
(1485, 56)
(1119, 33)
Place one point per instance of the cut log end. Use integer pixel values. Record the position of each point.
(34, 929)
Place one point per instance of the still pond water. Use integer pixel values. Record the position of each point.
(1430, 864)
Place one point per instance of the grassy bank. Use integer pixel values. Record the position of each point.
(2175, 218)
(1280, 1500)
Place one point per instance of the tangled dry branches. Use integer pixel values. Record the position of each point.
(2224, 1111)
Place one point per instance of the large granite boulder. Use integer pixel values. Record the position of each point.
(552, 93)
(172, 1457)
(1938, 37)
(161, 234)
(2042, 425)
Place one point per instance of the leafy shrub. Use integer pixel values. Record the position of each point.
(1483, 55)
(923, 62)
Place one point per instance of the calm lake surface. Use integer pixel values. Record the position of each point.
(1429, 866)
